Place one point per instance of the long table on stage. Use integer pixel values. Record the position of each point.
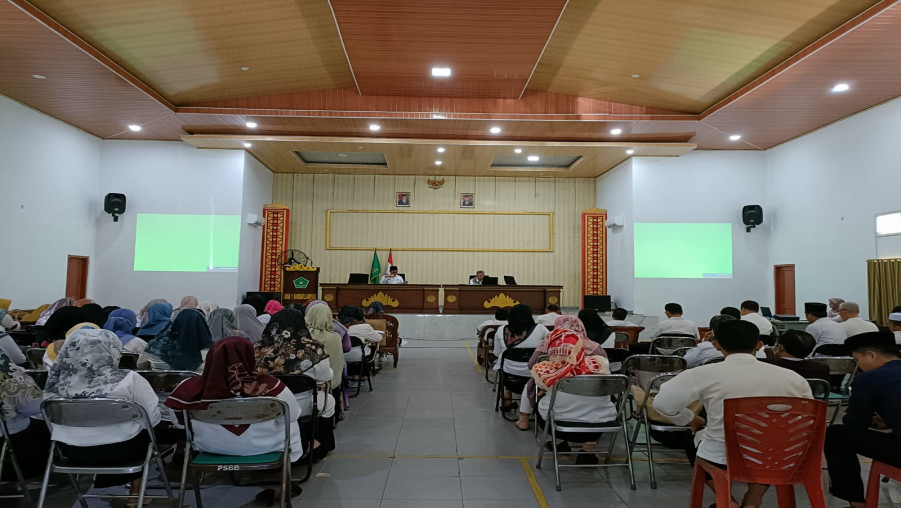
(428, 298)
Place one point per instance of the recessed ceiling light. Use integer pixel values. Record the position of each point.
(440, 149)
(616, 132)
(441, 72)
(248, 145)
(532, 158)
(374, 126)
(38, 76)
(841, 87)
(735, 137)
(437, 163)
(495, 130)
(636, 76)
(245, 68)
(517, 150)
(251, 125)
(134, 127)
(438, 116)
(630, 152)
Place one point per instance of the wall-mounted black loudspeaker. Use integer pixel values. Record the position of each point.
(752, 216)
(114, 204)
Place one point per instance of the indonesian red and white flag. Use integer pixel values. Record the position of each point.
(390, 262)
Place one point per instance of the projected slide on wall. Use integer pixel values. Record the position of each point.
(186, 243)
(683, 250)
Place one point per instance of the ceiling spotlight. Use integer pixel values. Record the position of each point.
(517, 150)
(437, 163)
(630, 151)
(441, 72)
(251, 125)
(38, 76)
(841, 87)
(532, 158)
(245, 68)
(374, 126)
(636, 76)
(134, 127)
(735, 137)
(616, 132)
(248, 145)
(495, 130)
(440, 149)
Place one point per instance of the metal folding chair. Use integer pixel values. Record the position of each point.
(298, 384)
(667, 344)
(651, 389)
(832, 350)
(642, 368)
(487, 345)
(615, 386)
(35, 357)
(362, 367)
(237, 412)
(616, 357)
(842, 370)
(682, 350)
(512, 382)
(128, 361)
(100, 413)
(6, 451)
(164, 382)
(820, 389)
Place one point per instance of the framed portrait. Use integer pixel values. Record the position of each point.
(403, 199)
(467, 200)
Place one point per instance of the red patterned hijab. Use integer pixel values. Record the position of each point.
(229, 372)
(567, 358)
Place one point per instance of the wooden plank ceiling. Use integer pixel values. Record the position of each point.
(707, 69)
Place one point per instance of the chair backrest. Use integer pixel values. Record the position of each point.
(518, 354)
(820, 388)
(35, 357)
(94, 412)
(620, 337)
(643, 368)
(128, 361)
(832, 350)
(39, 376)
(673, 341)
(165, 381)
(356, 341)
(653, 386)
(615, 385)
(616, 355)
(242, 411)
(838, 365)
(297, 383)
(774, 440)
(682, 350)
(489, 335)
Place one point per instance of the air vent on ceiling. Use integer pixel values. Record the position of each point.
(373, 159)
(521, 161)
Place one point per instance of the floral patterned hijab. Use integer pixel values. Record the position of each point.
(16, 388)
(575, 325)
(286, 346)
(566, 359)
(87, 366)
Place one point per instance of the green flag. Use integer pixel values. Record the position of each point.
(376, 269)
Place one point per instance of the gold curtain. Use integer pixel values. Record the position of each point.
(884, 286)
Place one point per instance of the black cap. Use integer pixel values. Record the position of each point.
(392, 269)
(815, 308)
(878, 339)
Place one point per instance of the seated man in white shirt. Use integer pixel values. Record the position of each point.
(823, 329)
(619, 318)
(850, 313)
(552, 312)
(706, 351)
(500, 318)
(749, 312)
(739, 375)
(894, 323)
(675, 324)
(392, 277)
(477, 280)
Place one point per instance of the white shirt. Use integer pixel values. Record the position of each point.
(827, 331)
(11, 349)
(475, 282)
(259, 438)
(620, 322)
(369, 336)
(739, 375)
(763, 324)
(264, 318)
(547, 319)
(387, 279)
(855, 326)
(532, 341)
(701, 354)
(578, 408)
(491, 322)
(676, 324)
(133, 387)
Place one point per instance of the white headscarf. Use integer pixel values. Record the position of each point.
(87, 366)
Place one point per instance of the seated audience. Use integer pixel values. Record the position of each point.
(12, 350)
(792, 348)
(731, 311)
(230, 372)
(322, 328)
(94, 314)
(871, 426)
(822, 329)
(521, 331)
(122, 322)
(706, 351)
(7, 323)
(353, 318)
(181, 346)
(567, 357)
(749, 312)
(477, 280)
(619, 318)
(87, 367)
(207, 308)
(222, 324)
(894, 323)
(739, 375)
(288, 348)
(272, 307)
(392, 277)
(246, 321)
(187, 302)
(55, 306)
(142, 315)
(834, 304)
(500, 318)
(337, 327)
(596, 328)
(58, 327)
(20, 399)
(675, 323)
(376, 308)
(158, 319)
(552, 312)
(850, 314)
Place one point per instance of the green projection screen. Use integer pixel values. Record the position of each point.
(683, 250)
(186, 243)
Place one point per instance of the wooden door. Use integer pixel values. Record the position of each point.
(77, 277)
(784, 276)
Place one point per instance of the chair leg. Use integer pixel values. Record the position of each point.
(785, 495)
(815, 493)
(550, 423)
(286, 476)
(184, 474)
(697, 487)
(647, 439)
(873, 485)
(197, 498)
(43, 495)
(20, 478)
(74, 481)
(613, 445)
(165, 477)
(723, 490)
(541, 444)
(144, 475)
(629, 451)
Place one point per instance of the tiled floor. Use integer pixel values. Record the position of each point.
(428, 437)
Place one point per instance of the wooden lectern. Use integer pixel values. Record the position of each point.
(300, 284)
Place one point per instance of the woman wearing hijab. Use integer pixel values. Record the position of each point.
(12, 350)
(272, 307)
(20, 399)
(55, 306)
(834, 304)
(122, 322)
(222, 324)
(57, 327)
(597, 329)
(107, 311)
(337, 327)
(53, 349)
(230, 372)
(142, 315)
(7, 322)
(87, 367)
(157, 320)
(94, 313)
(520, 331)
(246, 321)
(321, 327)
(355, 320)
(207, 308)
(181, 346)
(187, 302)
(288, 348)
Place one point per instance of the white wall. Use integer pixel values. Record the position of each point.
(614, 191)
(162, 177)
(257, 192)
(48, 177)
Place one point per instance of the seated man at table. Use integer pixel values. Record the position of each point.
(477, 280)
(706, 351)
(739, 375)
(392, 277)
(874, 408)
(792, 348)
(822, 329)
(675, 323)
(552, 312)
(619, 318)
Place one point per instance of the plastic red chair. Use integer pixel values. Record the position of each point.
(877, 471)
(772, 441)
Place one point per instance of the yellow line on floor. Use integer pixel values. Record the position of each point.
(536, 489)
(473, 356)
